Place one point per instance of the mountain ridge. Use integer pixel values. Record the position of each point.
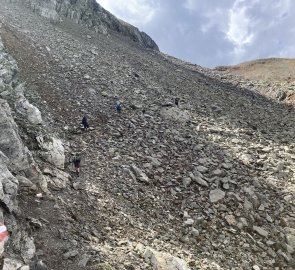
(271, 69)
(91, 14)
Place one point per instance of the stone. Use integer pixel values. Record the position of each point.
(103, 266)
(227, 166)
(216, 195)
(27, 110)
(260, 231)
(256, 267)
(59, 179)
(231, 220)
(218, 172)
(164, 261)
(200, 181)
(195, 232)
(189, 222)
(26, 183)
(71, 254)
(140, 175)
(186, 181)
(28, 249)
(281, 95)
(40, 265)
(8, 185)
(288, 198)
(202, 169)
(83, 262)
(10, 142)
(291, 240)
(52, 150)
(11, 264)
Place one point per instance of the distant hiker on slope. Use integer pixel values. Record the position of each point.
(85, 122)
(118, 106)
(76, 162)
(176, 101)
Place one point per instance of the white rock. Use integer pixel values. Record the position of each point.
(140, 175)
(189, 222)
(216, 195)
(195, 232)
(202, 169)
(291, 240)
(10, 264)
(16, 152)
(53, 150)
(231, 220)
(8, 184)
(24, 107)
(186, 181)
(28, 249)
(164, 261)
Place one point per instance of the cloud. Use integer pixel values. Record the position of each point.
(191, 5)
(239, 28)
(137, 12)
(215, 32)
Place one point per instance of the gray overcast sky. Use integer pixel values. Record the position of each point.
(213, 32)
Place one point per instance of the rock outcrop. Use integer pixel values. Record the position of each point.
(18, 168)
(91, 14)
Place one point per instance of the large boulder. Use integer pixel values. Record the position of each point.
(23, 106)
(8, 185)
(164, 261)
(52, 150)
(10, 142)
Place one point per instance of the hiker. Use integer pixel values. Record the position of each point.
(176, 101)
(76, 162)
(118, 106)
(85, 122)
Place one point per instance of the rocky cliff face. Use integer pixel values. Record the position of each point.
(19, 171)
(91, 14)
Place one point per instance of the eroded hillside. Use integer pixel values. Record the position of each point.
(274, 77)
(210, 182)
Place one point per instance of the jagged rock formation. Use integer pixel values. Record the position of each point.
(91, 14)
(18, 169)
(206, 184)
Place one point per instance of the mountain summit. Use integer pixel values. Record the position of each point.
(92, 15)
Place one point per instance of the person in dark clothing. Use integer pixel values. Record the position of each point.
(118, 106)
(77, 162)
(176, 101)
(85, 122)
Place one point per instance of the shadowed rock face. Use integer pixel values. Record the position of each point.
(91, 14)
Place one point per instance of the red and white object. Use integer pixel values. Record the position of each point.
(3, 232)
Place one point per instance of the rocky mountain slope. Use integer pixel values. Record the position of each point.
(208, 184)
(92, 15)
(274, 77)
(272, 69)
